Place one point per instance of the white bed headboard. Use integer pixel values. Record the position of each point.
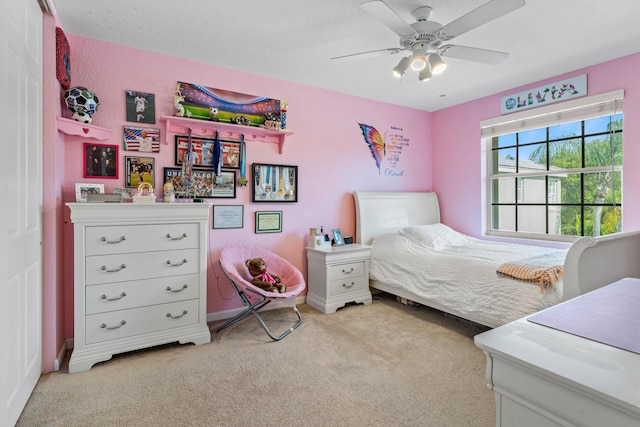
(383, 212)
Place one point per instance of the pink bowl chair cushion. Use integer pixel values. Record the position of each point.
(233, 259)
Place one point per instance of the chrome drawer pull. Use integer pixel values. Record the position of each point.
(122, 323)
(113, 270)
(122, 295)
(178, 264)
(120, 240)
(185, 286)
(178, 316)
(347, 272)
(348, 286)
(176, 238)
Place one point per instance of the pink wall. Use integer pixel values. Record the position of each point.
(458, 161)
(327, 145)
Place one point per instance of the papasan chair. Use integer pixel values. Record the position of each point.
(232, 261)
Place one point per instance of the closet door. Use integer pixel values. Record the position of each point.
(21, 205)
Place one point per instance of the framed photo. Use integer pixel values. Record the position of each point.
(337, 237)
(139, 170)
(146, 140)
(269, 222)
(274, 183)
(228, 216)
(204, 150)
(204, 184)
(100, 161)
(83, 189)
(140, 106)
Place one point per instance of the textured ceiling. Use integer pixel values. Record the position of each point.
(293, 40)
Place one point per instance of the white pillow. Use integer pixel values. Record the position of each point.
(435, 236)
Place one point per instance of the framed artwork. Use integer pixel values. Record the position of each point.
(228, 216)
(142, 139)
(100, 161)
(337, 237)
(268, 221)
(83, 189)
(205, 184)
(204, 150)
(274, 183)
(139, 170)
(140, 106)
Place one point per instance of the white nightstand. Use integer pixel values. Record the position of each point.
(338, 275)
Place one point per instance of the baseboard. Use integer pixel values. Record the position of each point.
(228, 314)
(62, 351)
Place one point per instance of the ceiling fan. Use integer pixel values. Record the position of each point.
(424, 39)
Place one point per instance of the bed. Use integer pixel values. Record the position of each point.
(459, 276)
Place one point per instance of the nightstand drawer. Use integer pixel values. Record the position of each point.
(125, 323)
(136, 266)
(125, 295)
(343, 271)
(140, 238)
(347, 285)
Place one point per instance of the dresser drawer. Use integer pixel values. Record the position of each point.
(124, 295)
(125, 323)
(341, 271)
(347, 285)
(140, 238)
(135, 266)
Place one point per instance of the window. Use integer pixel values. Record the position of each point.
(556, 175)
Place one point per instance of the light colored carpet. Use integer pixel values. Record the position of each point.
(383, 364)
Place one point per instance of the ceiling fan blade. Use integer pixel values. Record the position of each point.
(390, 51)
(388, 17)
(479, 16)
(485, 56)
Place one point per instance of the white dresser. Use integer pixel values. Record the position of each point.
(338, 275)
(140, 277)
(542, 376)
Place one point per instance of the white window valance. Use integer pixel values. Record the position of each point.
(563, 112)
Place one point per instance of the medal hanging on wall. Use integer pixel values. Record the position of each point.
(186, 177)
(217, 160)
(243, 174)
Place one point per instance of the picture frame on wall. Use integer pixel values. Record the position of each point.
(268, 222)
(204, 152)
(146, 140)
(100, 161)
(205, 185)
(140, 107)
(139, 170)
(83, 189)
(228, 216)
(274, 183)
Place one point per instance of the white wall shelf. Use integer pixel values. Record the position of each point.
(73, 127)
(207, 129)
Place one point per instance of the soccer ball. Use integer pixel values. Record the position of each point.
(79, 99)
(79, 116)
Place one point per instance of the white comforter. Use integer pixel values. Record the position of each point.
(463, 278)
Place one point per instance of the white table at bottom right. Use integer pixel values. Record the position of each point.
(542, 376)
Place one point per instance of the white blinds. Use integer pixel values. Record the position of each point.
(562, 112)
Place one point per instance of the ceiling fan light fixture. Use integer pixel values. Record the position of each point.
(425, 75)
(418, 60)
(401, 68)
(436, 63)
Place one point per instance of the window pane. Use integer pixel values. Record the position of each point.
(555, 219)
(504, 161)
(532, 158)
(603, 150)
(503, 190)
(602, 220)
(603, 187)
(569, 222)
(569, 188)
(504, 218)
(565, 154)
(532, 219)
(602, 124)
(503, 141)
(534, 189)
(565, 130)
(533, 135)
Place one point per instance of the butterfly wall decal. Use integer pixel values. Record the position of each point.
(376, 143)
